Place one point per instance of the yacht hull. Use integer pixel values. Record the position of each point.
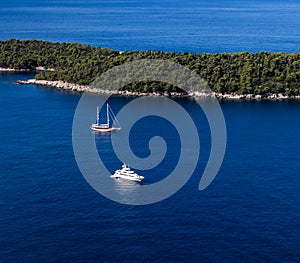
(127, 178)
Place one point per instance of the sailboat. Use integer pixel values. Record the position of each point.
(105, 127)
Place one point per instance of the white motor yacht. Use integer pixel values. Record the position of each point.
(127, 173)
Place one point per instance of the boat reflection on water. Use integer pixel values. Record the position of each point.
(126, 186)
(127, 190)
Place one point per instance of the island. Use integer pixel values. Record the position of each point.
(74, 66)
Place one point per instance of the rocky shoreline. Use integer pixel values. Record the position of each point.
(14, 70)
(81, 88)
(58, 84)
(25, 70)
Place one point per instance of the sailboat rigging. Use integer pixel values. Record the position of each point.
(105, 127)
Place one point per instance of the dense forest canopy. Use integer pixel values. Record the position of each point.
(239, 73)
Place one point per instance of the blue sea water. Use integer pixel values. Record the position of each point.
(50, 213)
(192, 25)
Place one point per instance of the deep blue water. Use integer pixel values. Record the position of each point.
(251, 210)
(49, 212)
(171, 25)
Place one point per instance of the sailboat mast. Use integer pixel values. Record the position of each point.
(107, 114)
(98, 118)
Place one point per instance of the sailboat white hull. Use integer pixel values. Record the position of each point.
(101, 129)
